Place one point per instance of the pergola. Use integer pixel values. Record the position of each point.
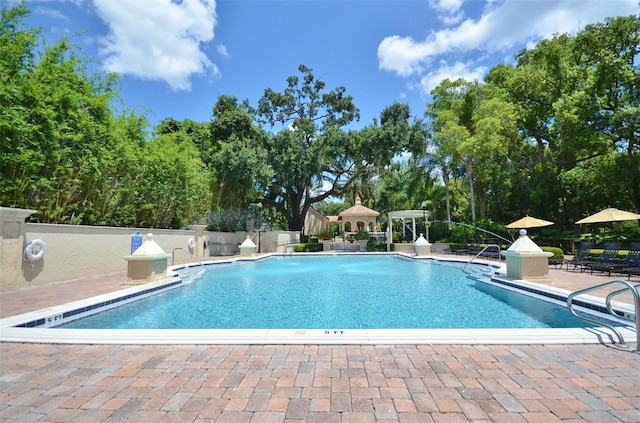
(403, 215)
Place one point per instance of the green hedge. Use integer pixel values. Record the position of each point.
(557, 252)
(474, 247)
(378, 246)
(307, 248)
(597, 252)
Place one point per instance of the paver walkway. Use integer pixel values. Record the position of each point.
(310, 383)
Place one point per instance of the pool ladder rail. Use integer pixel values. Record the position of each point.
(173, 256)
(633, 319)
(485, 249)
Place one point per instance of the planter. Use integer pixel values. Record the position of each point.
(404, 247)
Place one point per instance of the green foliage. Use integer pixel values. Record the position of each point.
(65, 154)
(326, 234)
(361, 234)
(558, 254)
(229, 219)
(377, 246)
(174, 185)
(312, 151)
(461, 233)
(307, 248)
(554, 136)
(235, 155)
(392, 193)
(473, 126)
(54, 124)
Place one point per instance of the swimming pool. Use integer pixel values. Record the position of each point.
(38, 326)
(344, 292)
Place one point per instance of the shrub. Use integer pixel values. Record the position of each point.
(326, 234)
(307, 248)
(557, 252)
(378, 246)
(361, 235)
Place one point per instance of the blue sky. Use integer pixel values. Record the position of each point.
(176, 57)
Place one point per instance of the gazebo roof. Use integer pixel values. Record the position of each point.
(358, 210)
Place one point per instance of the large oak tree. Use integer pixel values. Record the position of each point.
(312, 153)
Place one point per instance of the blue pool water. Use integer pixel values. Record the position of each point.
(346, 292)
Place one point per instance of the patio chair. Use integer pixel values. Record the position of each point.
(582, 256)
(631, 264)
(607, 259)
(463, 249)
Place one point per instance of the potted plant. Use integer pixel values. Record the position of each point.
(362, 237)
(326, 234)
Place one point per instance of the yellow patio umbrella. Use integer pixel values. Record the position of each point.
(529, 222)
(609, 215)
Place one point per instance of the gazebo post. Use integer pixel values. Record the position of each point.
(389, 231)
(413, 228)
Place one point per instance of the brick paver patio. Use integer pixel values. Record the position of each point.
(310, 383)
(406, 383)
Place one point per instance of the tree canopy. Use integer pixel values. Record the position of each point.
(312, 156)
(555, 135)
(66, 154)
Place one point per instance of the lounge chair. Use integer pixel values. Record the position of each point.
(607, 260)
(463, 249)
(631, 264)
(581, 257)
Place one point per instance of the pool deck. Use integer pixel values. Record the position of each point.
(310, 383)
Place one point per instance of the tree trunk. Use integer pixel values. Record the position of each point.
(472, 199)
(482, 200)
(296, 223)
(445, 178)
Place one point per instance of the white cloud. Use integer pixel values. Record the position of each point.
(450, 9)
(452, 19)
(452, 72)
(449, 6)
(158, 39)
(504, 25)
(50, 13)
(402, 55)
(222, 50)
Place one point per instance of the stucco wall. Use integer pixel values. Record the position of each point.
(75, 251)
(314, 222)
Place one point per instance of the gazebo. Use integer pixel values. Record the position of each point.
(357, 217)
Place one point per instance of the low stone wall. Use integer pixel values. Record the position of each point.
(404, 247)
(408, 247)
(440, 247)
(75, 251)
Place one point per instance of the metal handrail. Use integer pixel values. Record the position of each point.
(621, 291)
(253, 238)
(173, 256)
(636, 303)
(483, 250)
(277, 244)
